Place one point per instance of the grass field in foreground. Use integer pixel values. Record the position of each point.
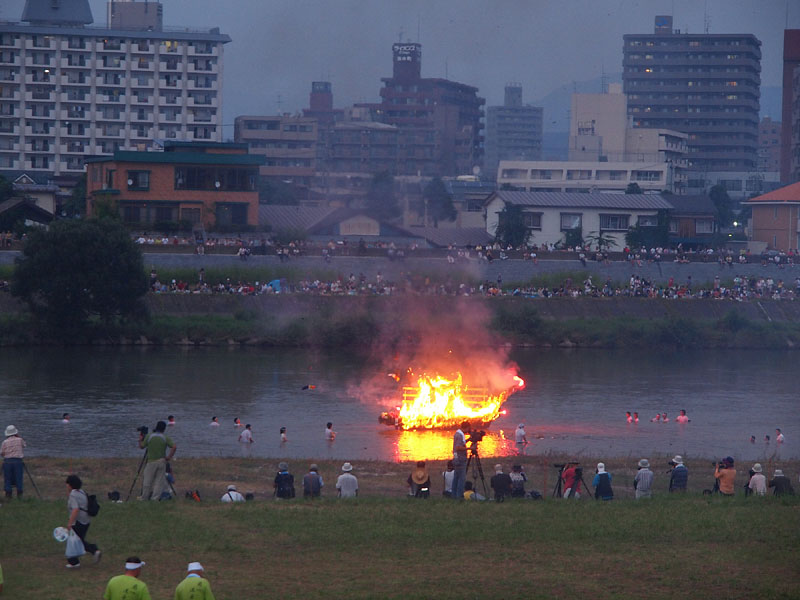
(394, 547)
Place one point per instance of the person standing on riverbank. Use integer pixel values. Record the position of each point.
(194, 586)
(79, 519)
(128, 586)
(12, 451)
(154, 478)
(643, 482)
(347, 483)
(679, 476)
(460, 460)
(520, 439)
(602, 484)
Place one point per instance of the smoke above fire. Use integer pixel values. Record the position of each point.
(435, 337)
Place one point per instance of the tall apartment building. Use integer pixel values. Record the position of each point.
(769, 145)
(450, 112)
(794, 147)
(790, 137)
(705, 85)
(513, 131)
(68, 89)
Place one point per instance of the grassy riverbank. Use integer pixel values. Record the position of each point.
(386, 545)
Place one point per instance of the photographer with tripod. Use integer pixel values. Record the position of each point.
(154, 480)
(460, 460)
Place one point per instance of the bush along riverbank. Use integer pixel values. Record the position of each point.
(360, 324)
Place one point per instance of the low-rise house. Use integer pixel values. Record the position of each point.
(197, 184)
(776, 218)
(549, 216)
(693, 221)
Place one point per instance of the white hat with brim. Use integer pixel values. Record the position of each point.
(231, 488)
(757, 468)
(11, 430)
(778, 473)
(347, 467)
(644, 463)
(194, 566)
(677, 459)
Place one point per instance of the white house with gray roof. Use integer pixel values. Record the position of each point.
(549, 215)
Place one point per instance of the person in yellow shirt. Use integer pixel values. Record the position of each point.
(128, 586)
(195, 586)
(726, 476)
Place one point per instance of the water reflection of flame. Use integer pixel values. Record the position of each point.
(438, 445)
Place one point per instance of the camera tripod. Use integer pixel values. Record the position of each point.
(557, 491)
(477, 468)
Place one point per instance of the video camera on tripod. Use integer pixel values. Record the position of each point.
(475, 438)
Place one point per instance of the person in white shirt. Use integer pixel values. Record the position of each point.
(65, 418)
(330, 434)
(520, 438)
(758, 482)
(779, 436)
(246, 437)
(232, 495)
(448, 479)
(347, 483)
(214, 422)
(284, 439)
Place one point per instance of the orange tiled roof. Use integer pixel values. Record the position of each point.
(789, 193)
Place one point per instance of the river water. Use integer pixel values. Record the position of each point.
(574, 402)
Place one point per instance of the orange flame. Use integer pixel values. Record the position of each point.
(437, 403)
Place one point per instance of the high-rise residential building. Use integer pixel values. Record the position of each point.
(448, 112)
(513, 131)
(790, 142)
(69, 89)
(794, 148)
(705, 85)
(769, 145)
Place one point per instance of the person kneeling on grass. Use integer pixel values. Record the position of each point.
(128, 586)
(194, 586)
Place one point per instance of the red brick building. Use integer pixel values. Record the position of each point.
(776, 218)
(197, 183)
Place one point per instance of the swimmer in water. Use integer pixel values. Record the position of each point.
(628, 417)
(214, 422)
(656, 419)
(283, 435)
(779, 436)
(682, 418)
(330, 434)
(664, 418)
(170, 421)
(752, 439)
(766, 439)
(635, 417)
(237, 422)
(65, 418)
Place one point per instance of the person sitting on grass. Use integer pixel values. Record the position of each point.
(447, 476)
(312, 483)
(347, 483)
(518, 479)
(232, 495)
(757, 483)
(284, 482)
(128, 586)
(602, 484)
(726, 475)
(419, 481)
(500, 483)
(679, 476)
(471, 494)
(781, 484)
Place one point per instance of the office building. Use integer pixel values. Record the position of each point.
(705, 85)
(790, 137)
(69, 89)
(513, 132)
(769, 145)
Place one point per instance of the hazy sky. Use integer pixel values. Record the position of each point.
(280, 46)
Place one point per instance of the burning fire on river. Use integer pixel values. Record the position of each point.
(440, 402)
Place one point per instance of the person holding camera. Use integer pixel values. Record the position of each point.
(678, 475)
(571, 480)
(155, 471)
(460, 460)
(725, 475)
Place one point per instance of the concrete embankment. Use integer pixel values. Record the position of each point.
(510, 271)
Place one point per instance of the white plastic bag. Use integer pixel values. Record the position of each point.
(74, 546)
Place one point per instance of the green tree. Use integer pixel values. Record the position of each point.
(511, 228)
(77, 272)
(76, 205)
(381, 200)
(601, 240)
(633, 188)
(650, 236)
(276, 192)
(439, 202)
(6, 189)
(723, 204)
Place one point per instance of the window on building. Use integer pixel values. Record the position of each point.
(571, 221)
(647, 221)
(192, 215)
(532, 220)
(614, 222)
(131, 214)
(673, 225)
(139, 181)
(231, 214)
(704, 226)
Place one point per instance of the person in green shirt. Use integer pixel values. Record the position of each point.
(154, 480)
(128, 586)
(194, 587)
